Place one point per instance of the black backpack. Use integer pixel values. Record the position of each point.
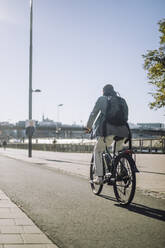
(117, 111)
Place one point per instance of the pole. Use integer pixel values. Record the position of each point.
(58, 111)
(58, 118)
(57, 121)
(30, 74)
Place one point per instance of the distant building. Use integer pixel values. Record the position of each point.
(5, 123)
(132, 125)
(20, 124)
(151, 125)
(46, 122)
(48, 128)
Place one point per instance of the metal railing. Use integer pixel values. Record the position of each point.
(149, 145)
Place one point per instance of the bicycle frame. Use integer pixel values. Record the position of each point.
(128, 151)
(119, 171)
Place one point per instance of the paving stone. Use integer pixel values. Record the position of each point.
(51, 246)
(27, 246)
(11, 239)
(7, 200)
(35, 238)
(16, 210)
(31, 229)
(17, 215)
(9, 215)
(23, 222)
(3, 197)
(7, 222)
(11, 229)
(7, 204)
(4, 210)
(5, 215)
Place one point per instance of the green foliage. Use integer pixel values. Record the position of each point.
(162, 30)
(154, 64)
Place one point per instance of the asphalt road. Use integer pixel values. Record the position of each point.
(64, 207)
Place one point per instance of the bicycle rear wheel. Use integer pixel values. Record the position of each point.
(125, 179)
(95, 187)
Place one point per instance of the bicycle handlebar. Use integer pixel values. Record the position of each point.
(87, 130)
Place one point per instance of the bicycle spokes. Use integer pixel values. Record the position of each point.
(124, 187)
(95, 187)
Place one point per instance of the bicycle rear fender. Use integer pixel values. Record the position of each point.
(135, 167)
(128, 153)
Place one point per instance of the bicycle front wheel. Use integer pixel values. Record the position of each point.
(125, 179)
(95, 188)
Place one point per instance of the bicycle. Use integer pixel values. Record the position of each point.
(119, 171)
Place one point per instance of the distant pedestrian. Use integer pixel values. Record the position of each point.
(4, 144)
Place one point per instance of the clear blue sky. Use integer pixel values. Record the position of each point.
(78, 47)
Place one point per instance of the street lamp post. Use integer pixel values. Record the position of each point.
(58, 112)
(30, 81)
(58, 117)
(30, 74)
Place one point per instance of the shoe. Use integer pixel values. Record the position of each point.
(98, 180)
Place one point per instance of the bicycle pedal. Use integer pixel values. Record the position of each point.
(111, 181)
(105, 180)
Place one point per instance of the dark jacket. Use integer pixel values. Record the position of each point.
(96, 121)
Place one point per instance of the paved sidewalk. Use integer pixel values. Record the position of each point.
(17, 230)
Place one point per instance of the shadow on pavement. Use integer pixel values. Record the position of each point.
(108, 197)
(152, 172)
(140, 209)
(145, 210)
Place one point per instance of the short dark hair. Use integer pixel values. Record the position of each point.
(108, 90)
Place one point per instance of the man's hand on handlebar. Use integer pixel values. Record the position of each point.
(87, 130)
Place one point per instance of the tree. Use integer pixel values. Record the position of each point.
(154, 63)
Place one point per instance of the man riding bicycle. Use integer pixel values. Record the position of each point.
(105, 130)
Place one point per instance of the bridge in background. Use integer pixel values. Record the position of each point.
(69, 131)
